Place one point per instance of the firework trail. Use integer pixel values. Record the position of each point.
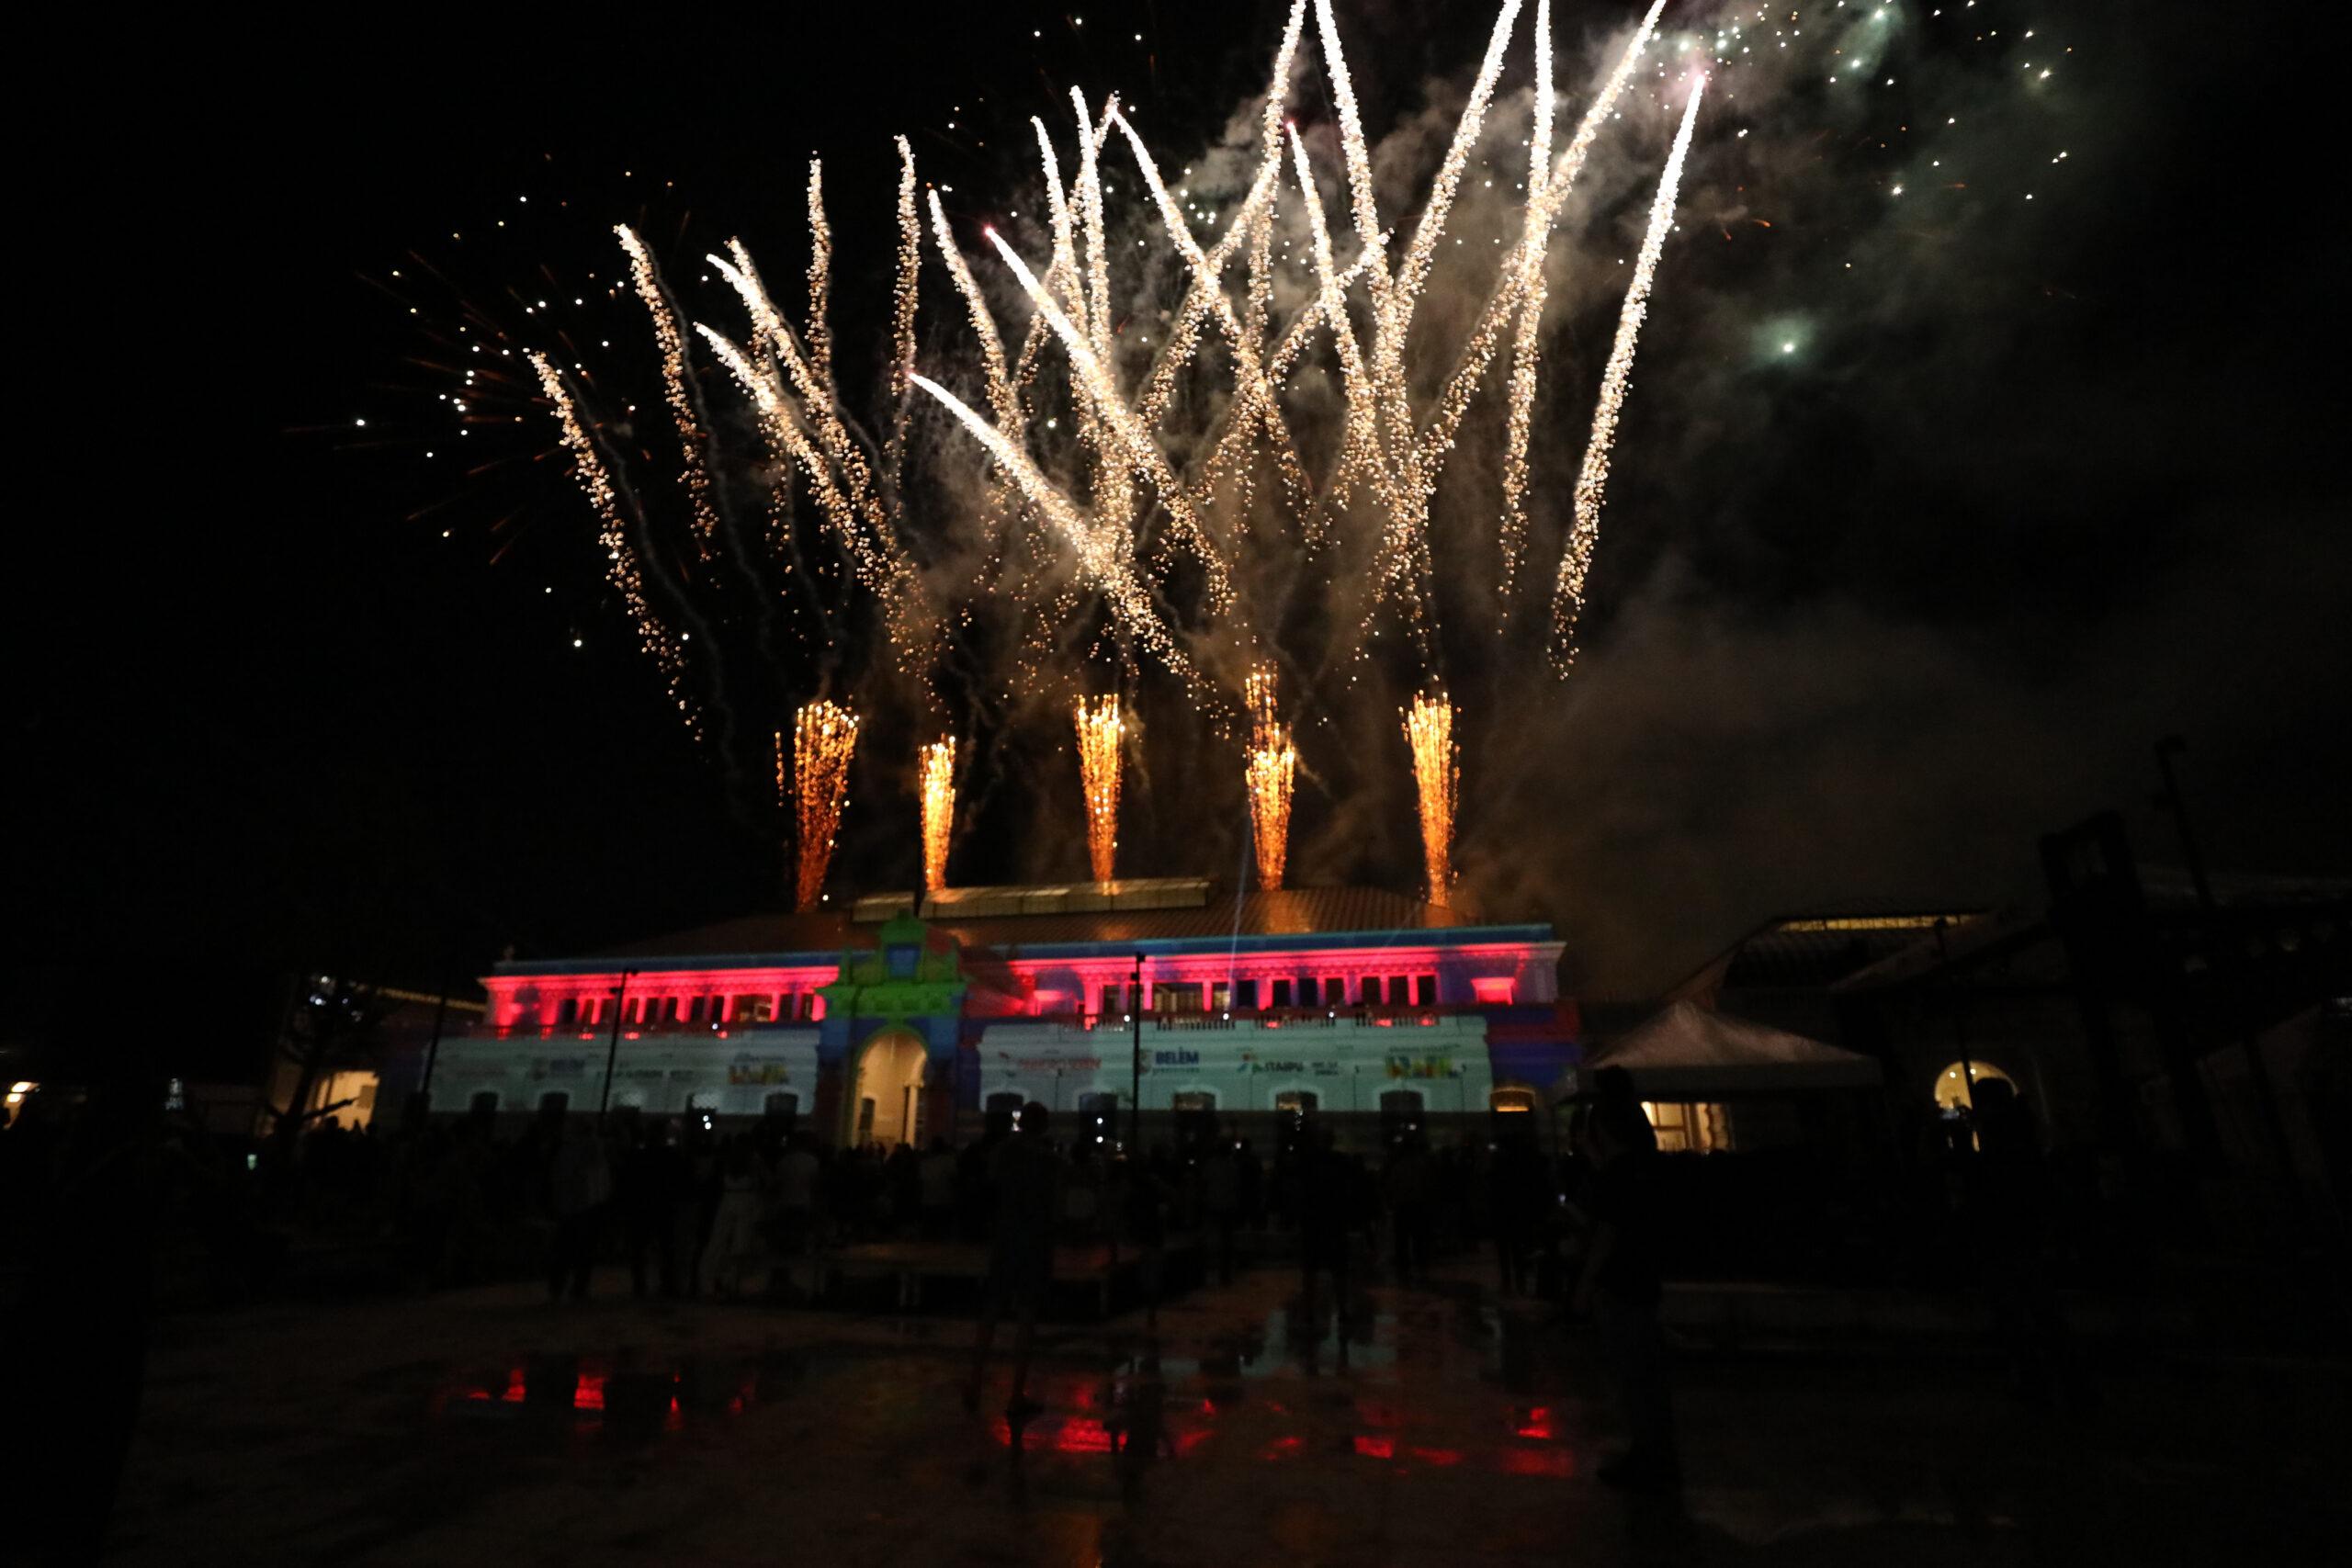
(654, 639)
(902, 318)
(1100, 732)
(1104, 555)
(938, 778)
(1437, 781)
(1592, 482)
(672, 344)
(1548, 194)
(1140, 450)
(824, 734)
(1271, 765)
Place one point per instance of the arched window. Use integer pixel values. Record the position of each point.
(786, 1105)
(1512, 1102)
(555, 1102)
(1297, 1101)
(1193, 1099)
(485, 1102)
(1955, 1084)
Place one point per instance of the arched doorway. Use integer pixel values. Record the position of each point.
(885, 1105)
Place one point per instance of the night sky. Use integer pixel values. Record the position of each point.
(1863, 625)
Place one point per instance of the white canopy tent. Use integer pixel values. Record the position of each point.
(1688, 1053)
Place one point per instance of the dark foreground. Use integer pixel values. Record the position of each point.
(487, 1426)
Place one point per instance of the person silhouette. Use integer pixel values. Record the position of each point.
(1620, 1285)
(1025, 1176)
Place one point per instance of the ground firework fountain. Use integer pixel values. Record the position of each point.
(1101, 731)
(823, 738)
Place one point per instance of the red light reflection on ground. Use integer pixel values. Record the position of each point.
(1557, 1463)
(1381, 1447)
(1068, 1435)
(588, 1393)
(1537, 1422)
(1285, 1447)
(1440, 1456)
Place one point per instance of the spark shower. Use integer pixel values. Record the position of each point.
(1203, 504)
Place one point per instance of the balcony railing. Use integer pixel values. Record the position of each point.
(1358, 1015)
(632, 1030)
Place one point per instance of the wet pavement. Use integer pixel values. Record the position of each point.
(1439, 1428)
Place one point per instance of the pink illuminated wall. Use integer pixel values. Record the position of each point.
(1521, 973)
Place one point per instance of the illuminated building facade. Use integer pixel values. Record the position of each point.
(919, 1014)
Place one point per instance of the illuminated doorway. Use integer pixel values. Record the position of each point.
(1954, 1084)
(888, 1098)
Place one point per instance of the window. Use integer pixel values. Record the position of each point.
(1371, 990)
(1220, 997)
(1425, 991)
(1244, 995)
(1335, 990)
(1512, 1102)
(1297, 1102)
(1400, 991)
(569, 1013)
(555, 1102)
(1688, 1129)
(484, 1103)
(786, 1105)
(1193, 1099)
(697, 1010)
(669, 1009)
(1281, 993)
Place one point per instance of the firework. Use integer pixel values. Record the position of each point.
(938, 809)
(1437, 779)
(1592, 482)
(654, 639)
(675, 388)
(1271, 765)
(824, 734)
(1101, 731)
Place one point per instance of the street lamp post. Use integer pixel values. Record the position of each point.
(612, 1050)
(1135, 1075)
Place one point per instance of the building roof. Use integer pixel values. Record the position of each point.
(1218, 916)
(1813, 951)
(1687, 1052)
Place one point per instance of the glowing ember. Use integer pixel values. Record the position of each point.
(823, 737)
(938, 809)
(1437, 776)
(1271, 764)
(1100, 732)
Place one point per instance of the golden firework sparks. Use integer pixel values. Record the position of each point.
(1437, 777)
(674, 388)
(1100, 730)
(1273, 764)
(824, 734)
(1592, 482)
(621, 568)
(938, 809)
